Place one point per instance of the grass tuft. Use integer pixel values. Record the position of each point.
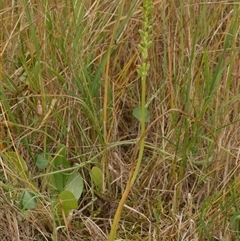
(69, 82)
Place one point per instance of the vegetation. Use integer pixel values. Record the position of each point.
(97, 116)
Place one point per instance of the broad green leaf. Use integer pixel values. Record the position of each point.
(60, 180)
(75, 184)
(137, 113)
(67, 202)
(97, 177)
(28, 201)
(60, 162)
(41, 162)
(60, 159)
(17, 164)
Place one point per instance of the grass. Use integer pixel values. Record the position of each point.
(69, 85)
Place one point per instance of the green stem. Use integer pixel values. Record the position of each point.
(143, 127)
(143, 69)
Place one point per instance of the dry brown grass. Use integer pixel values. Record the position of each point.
(188, 187)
